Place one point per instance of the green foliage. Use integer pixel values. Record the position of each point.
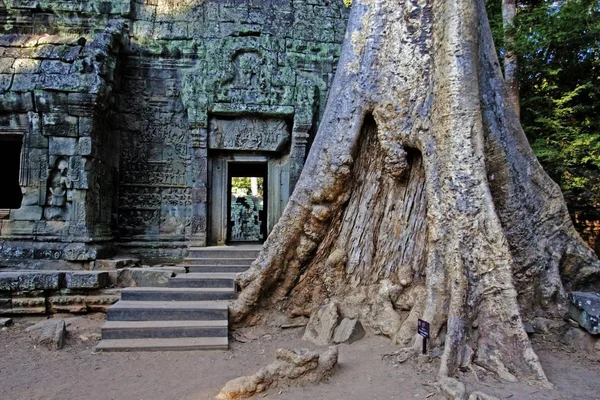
(558, 46)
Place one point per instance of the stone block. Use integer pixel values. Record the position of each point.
(5, 322)
(5, 82)
(5, 302)
(9, 281)
(151, 277)
(67, 304)
(63, 146)
(27, 213)
(53, 334)
(100, 302)
(50, 102)
(17, 228)
(54, 67)
(348, 331)
(86, 279)
(26, 66)
(584, 307)
(85, 146)
(6, 65)
(33, 280)
(16, 102)
(116, 263)
(24, 82)
(28, 305)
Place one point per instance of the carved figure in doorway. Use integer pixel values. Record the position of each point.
(59, 191)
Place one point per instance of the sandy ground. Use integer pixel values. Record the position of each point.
(31, 372)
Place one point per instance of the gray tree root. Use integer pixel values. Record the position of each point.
(421, 198)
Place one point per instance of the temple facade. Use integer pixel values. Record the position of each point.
(146, 127)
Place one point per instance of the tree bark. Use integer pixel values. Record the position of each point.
(421, 198)
(511, 62)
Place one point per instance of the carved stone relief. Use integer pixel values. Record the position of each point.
(59, 193)
(251, 133)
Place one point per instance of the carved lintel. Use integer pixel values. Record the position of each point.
(248, 133)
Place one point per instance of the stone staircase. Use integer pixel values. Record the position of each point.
(190, 314)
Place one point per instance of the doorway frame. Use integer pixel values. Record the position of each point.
(263, 230)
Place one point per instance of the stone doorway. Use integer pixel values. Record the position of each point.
(248, 202)
(10, 165)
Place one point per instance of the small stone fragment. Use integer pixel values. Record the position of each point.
(348, 331)
(322, 324)
(5, 322)
(53, 334)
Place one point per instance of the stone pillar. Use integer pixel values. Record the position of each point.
(298, 152)
(304, 112)
(198, 180)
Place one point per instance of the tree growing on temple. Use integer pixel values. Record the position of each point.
(421, 198)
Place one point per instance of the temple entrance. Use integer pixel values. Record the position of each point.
(247, 205)
(10, 161)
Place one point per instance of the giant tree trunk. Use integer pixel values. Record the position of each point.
(421, 198)
(511, 64)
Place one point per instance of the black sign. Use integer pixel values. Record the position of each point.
(423, 328)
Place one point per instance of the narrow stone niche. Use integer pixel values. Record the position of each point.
(10, 160)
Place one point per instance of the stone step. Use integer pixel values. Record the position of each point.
(225, 252)
(217, 268)
(200, 343)
(177, 294)
(163, 329)
(167, 310)
(217, 261)
(204, 280)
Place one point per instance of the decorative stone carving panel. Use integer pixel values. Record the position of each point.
(251, 133)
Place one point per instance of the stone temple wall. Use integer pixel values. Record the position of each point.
(115, 99)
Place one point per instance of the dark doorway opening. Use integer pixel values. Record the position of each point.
(10, 165)
(247, 205)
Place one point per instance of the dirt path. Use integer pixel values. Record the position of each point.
(76, 372)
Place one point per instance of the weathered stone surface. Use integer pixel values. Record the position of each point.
(248, 134)
(322, 324)
(116, 263)
(348, 331)
(96, 301)
(258, 72)
(53, 334)
(86, 279)
(291, 367)
(584, 308)
(26, 304)
(151, 277)
(9, 281)
(546, 325)
(580, 340)
(32, 280)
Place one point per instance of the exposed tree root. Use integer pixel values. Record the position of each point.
(421, 198)
(291, 367)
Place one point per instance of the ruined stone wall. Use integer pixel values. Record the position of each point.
(56, 82)
(114, 101)
(189, 62)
